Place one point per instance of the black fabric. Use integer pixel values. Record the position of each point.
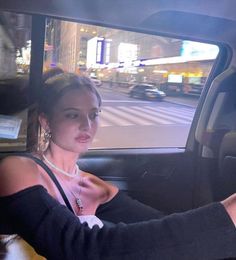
(56, 233)
(123, 208)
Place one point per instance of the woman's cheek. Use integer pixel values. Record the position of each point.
(95, 128)
(62, 129)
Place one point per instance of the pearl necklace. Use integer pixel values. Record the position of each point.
(78, 201)
(60, 170)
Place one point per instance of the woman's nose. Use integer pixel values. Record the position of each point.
(85, 123)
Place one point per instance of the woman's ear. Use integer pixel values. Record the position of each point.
(43, 120)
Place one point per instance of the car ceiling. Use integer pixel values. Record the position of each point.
(210, 20)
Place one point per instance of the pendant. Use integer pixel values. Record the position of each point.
(79, 204)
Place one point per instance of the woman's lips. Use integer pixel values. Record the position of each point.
(83, 138)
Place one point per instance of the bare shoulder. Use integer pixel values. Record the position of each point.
(17, 173)
(12, 163)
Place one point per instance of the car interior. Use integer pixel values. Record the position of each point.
(174, 177)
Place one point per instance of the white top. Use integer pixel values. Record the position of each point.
(91, 220)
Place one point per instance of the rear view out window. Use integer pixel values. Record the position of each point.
(117, 61)
(15, 48)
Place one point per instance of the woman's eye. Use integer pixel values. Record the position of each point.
(93, 115)
(72, 116)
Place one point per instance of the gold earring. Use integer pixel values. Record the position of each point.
(47, 136)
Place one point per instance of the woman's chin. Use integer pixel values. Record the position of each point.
(83, 147)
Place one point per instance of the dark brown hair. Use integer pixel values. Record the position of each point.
(57, 85)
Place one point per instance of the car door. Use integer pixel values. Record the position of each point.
(148, 151)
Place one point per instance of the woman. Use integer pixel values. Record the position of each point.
(28, 208)
(69, 110)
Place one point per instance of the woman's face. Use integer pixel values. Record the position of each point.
(74, 120)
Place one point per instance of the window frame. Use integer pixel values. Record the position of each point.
(36, 69)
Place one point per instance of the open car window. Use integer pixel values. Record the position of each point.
(122, 59)
(116, 60)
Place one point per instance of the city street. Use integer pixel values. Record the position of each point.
(128, 122)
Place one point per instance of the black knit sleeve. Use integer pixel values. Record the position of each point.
(56, 233)
(123, 208)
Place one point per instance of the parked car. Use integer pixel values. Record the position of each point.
(96, 81)
(146, 91)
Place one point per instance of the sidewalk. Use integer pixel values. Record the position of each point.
(190, 101)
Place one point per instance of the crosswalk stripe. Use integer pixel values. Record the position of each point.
(137, 111)
(108, 118)
(180, 111)
(172, 119)
(174, 113)
(147, 115)
(183, 111)
(126, 113)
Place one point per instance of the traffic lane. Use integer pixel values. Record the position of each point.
(121, 94)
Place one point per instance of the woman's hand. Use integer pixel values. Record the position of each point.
(93, 191)
(230, 206)
(95, 188)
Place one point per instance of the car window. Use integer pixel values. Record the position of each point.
(118, 60)
(121, 59)
(15, 49)
(150, 87)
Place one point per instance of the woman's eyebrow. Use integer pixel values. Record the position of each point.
(78, 109)
(71, 108)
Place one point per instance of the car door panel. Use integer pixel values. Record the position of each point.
(160, 178)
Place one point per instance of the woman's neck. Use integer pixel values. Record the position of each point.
(63, 159)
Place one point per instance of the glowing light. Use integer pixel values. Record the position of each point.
(160, 71)
(199, 50)
(127, 52)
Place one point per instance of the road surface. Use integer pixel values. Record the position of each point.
(133, 123)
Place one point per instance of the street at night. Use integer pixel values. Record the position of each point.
(154, 123)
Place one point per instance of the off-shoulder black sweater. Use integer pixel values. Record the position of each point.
(56, 233)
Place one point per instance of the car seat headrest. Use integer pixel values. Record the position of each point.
(227, 148)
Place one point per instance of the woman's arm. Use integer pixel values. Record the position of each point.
(204, 233)
(123, 208)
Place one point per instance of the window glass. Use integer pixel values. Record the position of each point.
(15, 47)
(117, 60)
